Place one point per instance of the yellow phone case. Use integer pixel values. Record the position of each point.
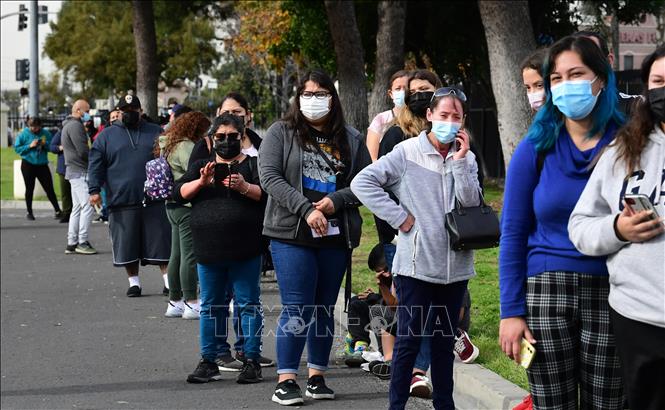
(527, 352)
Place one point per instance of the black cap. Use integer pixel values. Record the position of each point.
(129, 101)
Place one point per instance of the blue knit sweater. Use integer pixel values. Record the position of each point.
(536, 209)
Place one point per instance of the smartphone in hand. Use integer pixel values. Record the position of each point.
(640, 202)
(527, 353)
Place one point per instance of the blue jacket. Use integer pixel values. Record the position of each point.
(38, 154)
(534, 220)
(117, 158)
(55, 148)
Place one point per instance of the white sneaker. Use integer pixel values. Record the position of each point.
(175, 309)
(192, 311)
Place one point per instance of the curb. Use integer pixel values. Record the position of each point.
(482, 388)
(16, 204)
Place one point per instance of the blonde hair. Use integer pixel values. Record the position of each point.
(410, 124)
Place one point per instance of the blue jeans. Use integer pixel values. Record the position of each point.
(214, 278)
(389, 251)
(309, 280)
(429, 311)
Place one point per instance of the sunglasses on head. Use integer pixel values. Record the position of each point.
(230, 135)
(444, 91)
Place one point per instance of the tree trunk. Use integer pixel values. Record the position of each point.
(509, 40)
(389, 52)
(614, 29)
(350, 62)
(145, 41)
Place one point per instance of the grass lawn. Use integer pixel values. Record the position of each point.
(7, 157)
(484, 289)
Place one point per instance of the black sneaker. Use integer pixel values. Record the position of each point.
(58, 215)
(265, 362)
(381, 370)
(317, 389)
(71, 249)
(228, 363)
(250, 373)
(205, 372)
(64, 219)
(287, 393)
(133, 291)
(30, 217)
(165, 291)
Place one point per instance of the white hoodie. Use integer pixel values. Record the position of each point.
(637, 270)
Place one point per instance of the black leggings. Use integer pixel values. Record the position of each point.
(43, 174)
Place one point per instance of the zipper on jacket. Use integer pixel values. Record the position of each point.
(415, 249)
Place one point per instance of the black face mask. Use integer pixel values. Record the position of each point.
(227, 149)
(419, 102)
(656, 98)
(131, 119)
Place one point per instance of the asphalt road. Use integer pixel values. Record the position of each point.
(72, 339)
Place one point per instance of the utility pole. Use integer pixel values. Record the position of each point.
(34, 59)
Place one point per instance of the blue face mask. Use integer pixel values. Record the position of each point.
(445, 131)
(86, 117)
(398, 98)
(574, 99)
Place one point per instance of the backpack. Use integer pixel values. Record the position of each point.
(159, 181)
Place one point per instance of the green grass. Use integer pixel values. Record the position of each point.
(484, 290)
(7, 157)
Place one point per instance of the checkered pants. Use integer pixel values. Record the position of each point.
(568, 314)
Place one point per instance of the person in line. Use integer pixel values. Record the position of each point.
(226, 222)
(603, 224)
(139, 234)
(531, 68)
(65, 188)
(427, 274)
(176, 146)
(306, 163)
(236, 104)
(397, 93)
(551, 294)
(76, 149)
(32, 145)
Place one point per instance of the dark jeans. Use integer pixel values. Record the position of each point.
(65, 195)
(421, 302)
(358, 318)
(641, 349)
(43, 174)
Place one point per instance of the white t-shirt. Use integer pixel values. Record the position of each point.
(251, 151)
(380, 122)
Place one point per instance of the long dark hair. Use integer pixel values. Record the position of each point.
(631, 139)
(544, 129)
(335, 126)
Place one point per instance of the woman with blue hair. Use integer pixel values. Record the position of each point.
(551, 294)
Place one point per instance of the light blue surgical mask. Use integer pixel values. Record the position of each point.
(398, 98)
(445, 131)
(85, 117)
(574, 99)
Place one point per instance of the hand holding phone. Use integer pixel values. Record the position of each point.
(527, 353)
(639, 220)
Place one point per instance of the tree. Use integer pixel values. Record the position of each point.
(351, 65)
(509, 40)
(145, 41)
(389, 51)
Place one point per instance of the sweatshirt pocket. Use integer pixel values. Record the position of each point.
(414, 250)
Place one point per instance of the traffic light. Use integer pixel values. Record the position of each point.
(43, 15)
(22, 70)
(22, 17)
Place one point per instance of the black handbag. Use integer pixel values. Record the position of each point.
(474, 227)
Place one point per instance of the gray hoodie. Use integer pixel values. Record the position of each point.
(426, 187)
(75, 147)
(637, 270)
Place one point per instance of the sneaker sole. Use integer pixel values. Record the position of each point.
(420, 390)
(69, 252)
(287, 402)
(134, 295)
(381, 370)
(172, 315)
(201, 380)
(190, 316)
(249, 381)
(228, 369)
(85, 252)
(354, 362)
(271, 364)
(320, 396)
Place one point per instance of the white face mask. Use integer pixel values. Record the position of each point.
(313, 108)
(536, 99)
(398, 98)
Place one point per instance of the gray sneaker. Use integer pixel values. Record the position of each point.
(229, 364)
(85, 248)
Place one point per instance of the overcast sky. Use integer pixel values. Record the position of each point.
(16, 44)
